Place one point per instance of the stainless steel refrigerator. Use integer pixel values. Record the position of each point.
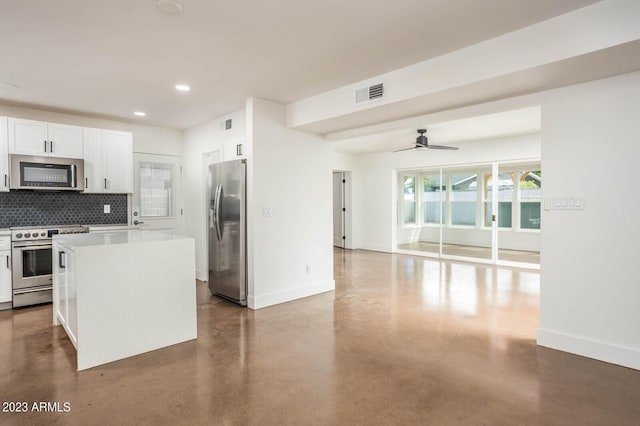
(228, 230)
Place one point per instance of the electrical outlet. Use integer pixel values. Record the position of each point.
(266, 212)
(107, 208)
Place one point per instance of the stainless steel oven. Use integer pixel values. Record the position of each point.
(32, 263)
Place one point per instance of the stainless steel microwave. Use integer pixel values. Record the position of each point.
(46, 173)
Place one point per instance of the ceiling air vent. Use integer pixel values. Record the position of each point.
(370, 93)
(228, 124)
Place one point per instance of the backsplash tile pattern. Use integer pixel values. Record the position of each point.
(32, 208)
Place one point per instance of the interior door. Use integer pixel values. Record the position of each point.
(338, 209)
(156, 198)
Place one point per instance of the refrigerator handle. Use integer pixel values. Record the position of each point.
(216, 211)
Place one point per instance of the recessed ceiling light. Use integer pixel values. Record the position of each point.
(140, 113)
(182, 88)
(170, 7)
(5, 85)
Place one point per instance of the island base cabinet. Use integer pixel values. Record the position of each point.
(64, 291)
(124, 293)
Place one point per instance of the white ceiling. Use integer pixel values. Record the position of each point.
(111, 58)
(514, 122)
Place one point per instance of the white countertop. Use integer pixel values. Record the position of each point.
(5, 231)
(112, 227)
(116, 237)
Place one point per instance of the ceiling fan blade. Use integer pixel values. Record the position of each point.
(405, 149)
(442, 147)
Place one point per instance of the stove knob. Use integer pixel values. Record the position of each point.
(19, 235)
(27, 235)
(42, 234)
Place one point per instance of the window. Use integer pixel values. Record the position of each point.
(530, 199)
(464, 194)
(464, 197)
(409, 200)
(433, 210)
(505, 200)
(156, 189)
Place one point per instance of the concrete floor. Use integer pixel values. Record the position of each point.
(404, 340)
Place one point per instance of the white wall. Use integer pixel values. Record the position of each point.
(375, 181)
(590, 295)
(199, 142)
(291, 174)
(147, 139)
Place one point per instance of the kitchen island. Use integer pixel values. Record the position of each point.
(119, 294)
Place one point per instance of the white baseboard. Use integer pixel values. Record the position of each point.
(289, 294)
(603, 351)
(200, 276)
(375, 247)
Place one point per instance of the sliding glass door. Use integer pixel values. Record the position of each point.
(519, 200)
(465, 233)
(486, 213)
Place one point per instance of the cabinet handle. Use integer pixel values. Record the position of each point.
(60, 256)
(135, 222)
(239, 149)
(50, 146)
(86, 183)
(6, 179)
(105, 183)
(45, 146)
(8, 266)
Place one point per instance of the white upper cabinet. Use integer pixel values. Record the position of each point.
(234, 150)
(108, 161)
(92, 148)
(64, 140)
(117, 165)
(4, 155)
(29, 137)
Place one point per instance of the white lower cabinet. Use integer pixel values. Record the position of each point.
(5, 276)
(65, 290)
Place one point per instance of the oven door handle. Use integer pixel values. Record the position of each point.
(34, 245)
(32, 291)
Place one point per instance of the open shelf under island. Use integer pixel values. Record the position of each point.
(123, 293)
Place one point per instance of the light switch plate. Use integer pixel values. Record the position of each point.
(107, 208)
(266, 212)
(564, 202)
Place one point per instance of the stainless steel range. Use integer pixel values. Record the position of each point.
(31, 254)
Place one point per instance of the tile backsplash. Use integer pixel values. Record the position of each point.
(32, 208)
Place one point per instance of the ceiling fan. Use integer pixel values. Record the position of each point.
(422, 143)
